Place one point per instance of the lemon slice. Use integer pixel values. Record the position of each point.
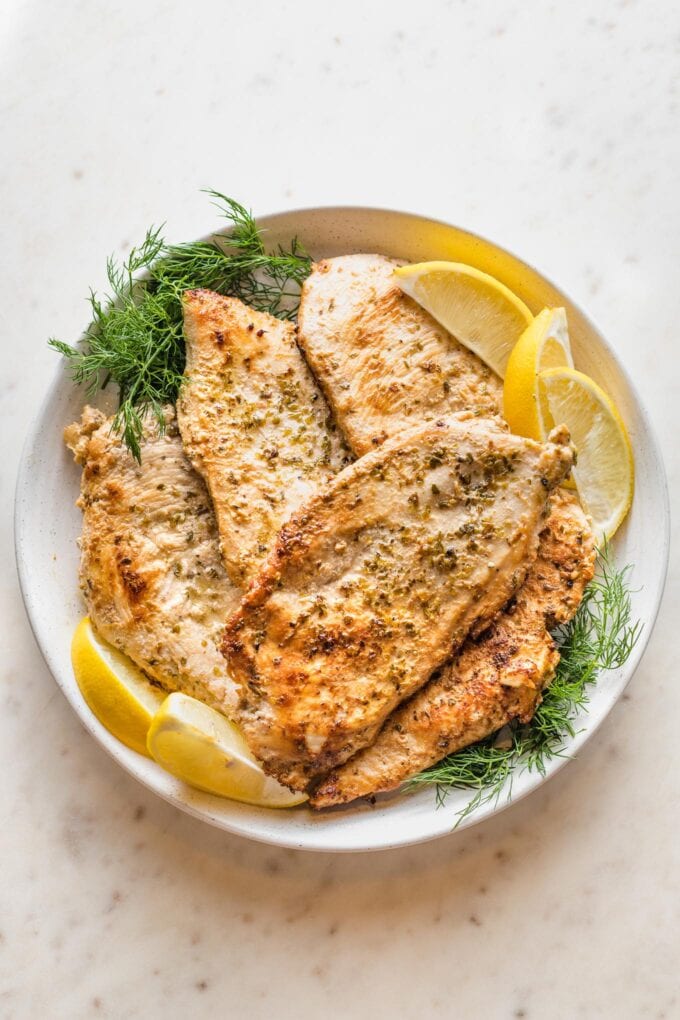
(543, 345)
(116, 691)
(604, 471)
(480, 311)
(201, 747)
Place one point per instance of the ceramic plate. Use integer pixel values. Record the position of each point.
(48, 524)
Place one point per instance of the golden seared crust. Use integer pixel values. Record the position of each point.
(382, 361)
(492, 681)
(150, 569)
(377, 579)
(253, 423)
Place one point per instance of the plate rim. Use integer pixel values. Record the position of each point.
(194, 807)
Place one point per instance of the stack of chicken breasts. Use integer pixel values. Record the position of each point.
(336, 541)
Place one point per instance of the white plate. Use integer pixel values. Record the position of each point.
(48, 524)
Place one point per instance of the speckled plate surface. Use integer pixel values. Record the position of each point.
(47, 525)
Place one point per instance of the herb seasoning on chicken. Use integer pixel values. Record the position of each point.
(492, 681)
(253, 423)
(150, 567)
(377, 579)
(382, 361)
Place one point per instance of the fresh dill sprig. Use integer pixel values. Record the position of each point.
(135, 338)
(601, 636)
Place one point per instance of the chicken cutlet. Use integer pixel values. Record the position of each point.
(382, 361)
(493, 681)
(377, 579)
(151, 572)
(253, 422)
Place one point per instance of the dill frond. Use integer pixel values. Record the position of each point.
(601, 636)
(135, 338)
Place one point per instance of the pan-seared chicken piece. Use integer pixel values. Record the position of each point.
(253, 423)
(382, 361)
(492, 681)
(150, 567)
(377, 579)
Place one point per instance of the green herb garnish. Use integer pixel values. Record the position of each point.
(135, 338)
(600, 636)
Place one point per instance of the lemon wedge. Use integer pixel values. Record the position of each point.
(201, 747)
(543, 345)
(478, 310)
(116, 691)
(604, 472)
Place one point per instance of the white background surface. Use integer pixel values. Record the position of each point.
(553, 130)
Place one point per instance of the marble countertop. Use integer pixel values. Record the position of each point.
(549, 128)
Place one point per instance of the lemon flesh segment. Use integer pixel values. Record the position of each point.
(478, 310)
(604, 472)
(544, 344)
(204, 749)
(116, 691)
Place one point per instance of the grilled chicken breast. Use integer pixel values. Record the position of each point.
(492, 681)
(382, 361)
(253, 423)
(377, 579)
(150, 568)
